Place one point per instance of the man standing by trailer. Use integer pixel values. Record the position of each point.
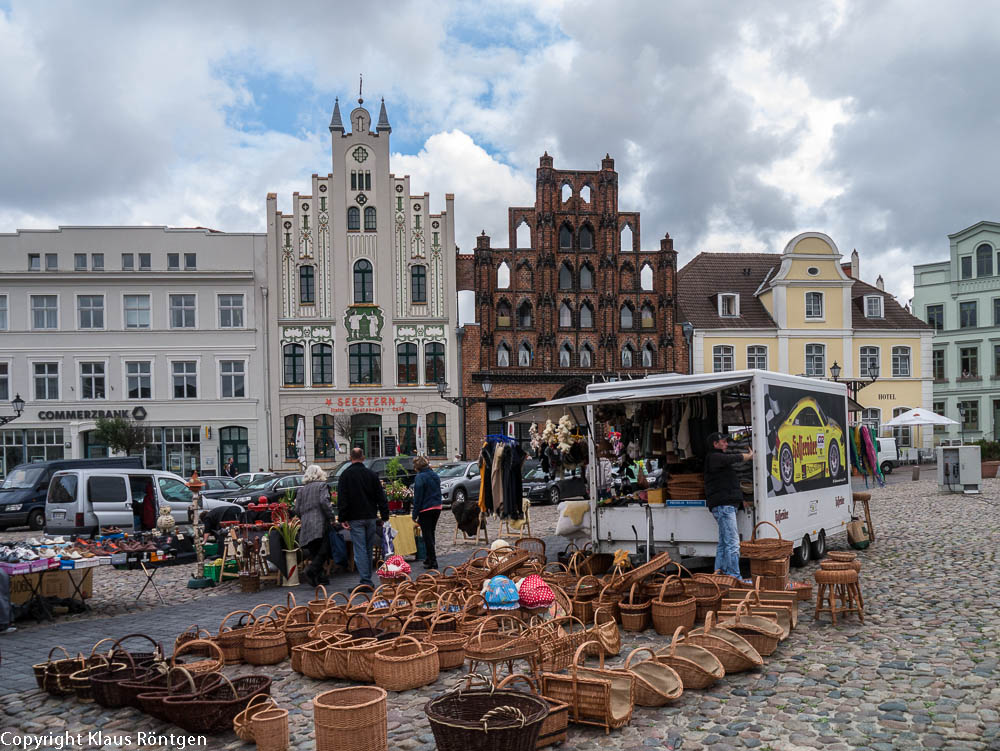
(723, 496)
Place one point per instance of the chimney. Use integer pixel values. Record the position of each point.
(483, 241)
(855, 265)
(880, 283)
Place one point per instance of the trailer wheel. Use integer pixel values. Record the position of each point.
(800, 557)
(819, 545)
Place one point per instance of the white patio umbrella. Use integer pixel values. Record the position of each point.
(916, 417)
(300, 441)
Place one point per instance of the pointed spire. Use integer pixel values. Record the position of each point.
(335, 122)
(383, 120)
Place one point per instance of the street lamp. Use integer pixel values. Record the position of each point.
(961, 415)
(464, 402)
(835, 371)
(18, 404)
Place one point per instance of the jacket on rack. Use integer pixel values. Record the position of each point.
(486, 478)
(496, 478)
(513, 485)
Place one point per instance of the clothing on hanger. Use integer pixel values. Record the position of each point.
(513, 482)
(496, 478)
(486, 478)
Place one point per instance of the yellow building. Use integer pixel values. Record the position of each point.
(804, 312)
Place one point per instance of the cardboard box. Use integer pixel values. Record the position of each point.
(55, 584)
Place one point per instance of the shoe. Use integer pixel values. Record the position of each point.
(7, 629)
(59, 540)
(48, 541)
(75, 556)
(33, 542)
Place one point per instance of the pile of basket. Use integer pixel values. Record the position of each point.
(769, 557)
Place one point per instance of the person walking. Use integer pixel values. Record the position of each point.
(427, 506)
(723, 496)
(313, 507)
(361, 498)
(230, 469)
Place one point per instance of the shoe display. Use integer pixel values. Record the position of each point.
(33, 542)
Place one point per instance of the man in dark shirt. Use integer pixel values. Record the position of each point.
(360, 497)
(723, 496)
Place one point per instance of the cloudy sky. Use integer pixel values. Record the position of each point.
(734, 125)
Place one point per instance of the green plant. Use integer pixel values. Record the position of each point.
(393, 469)
(121, 434)
(288, 531)
(289, 498)
(989, 451)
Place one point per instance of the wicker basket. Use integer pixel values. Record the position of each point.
(319, 603)
(769, 566)
(213, 711)
(265, 643)
(230, 636)
(79, 681)
(270, 729)
(558, 639)
(844, 556)
(604, 698)
(762, 634)
(450, 643)
(766, 548)
(210, 664)
(52, 676)
(583, 595)
(352, 718)
(656, 684)
(405, 665)
(486, 720)
(734, 652)
(105, 684)
(150, 697)
(605, 632)
(668, 615)
(351, 659)
(242, 722)
(249, 583)
(141, 659)
(697, 667)
(297, 625)
(635, 610)
(555, 725)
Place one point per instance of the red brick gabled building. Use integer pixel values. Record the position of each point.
(571, 300)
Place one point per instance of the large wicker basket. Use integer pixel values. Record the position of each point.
(734, 652)
(555, 725)
(605, 698)
(352, 718)
(265, 643)
(635, 610)
(405, 665)
(697, 667)
(486, 720)
(768, 548)
(230, 636)
(679, 611)
(656, 684)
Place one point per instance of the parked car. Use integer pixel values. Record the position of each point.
(270, 489)
(81, 501)
(540, 488)
(459, 482)
(378, 464)
(22, 495)
(217, 485)
(888, 455)
(246, 478)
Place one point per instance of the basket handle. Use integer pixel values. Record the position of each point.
(513, 677)
(222, 626)
(406, 623)
(52, 651)
(576, 657)
(753, 537)
(232, 688)
(388, 617)
(347, 626)
(398, 598)
(631, 594)
(316, 593)
(253, 611)
(405, 638)
(634, 652)
(156, 646)
(93, 649)
(330, 602)
(506, 713)
(363, 591)
(673, 642)
(290, 600)
(294, 613)
(607, 611)
(582, 579)
(666, 581)
(185, 674)
(709, 622)
(702, 577)
(186, 647)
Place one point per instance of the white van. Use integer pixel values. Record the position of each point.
(80, 501)
(888, 456)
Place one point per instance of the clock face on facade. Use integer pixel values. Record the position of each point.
(360, 154)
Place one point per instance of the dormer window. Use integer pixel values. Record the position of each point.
(729, 305)
(873, 306)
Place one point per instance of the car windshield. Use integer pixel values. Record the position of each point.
(23, 478)
(452, 470)
(537, 474)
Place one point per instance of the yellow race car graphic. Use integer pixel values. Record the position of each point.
(808, 445)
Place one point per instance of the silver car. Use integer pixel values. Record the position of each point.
(459, 482)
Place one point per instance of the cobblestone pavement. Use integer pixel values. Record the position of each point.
(921, 673)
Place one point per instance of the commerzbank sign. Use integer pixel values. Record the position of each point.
(136, 413)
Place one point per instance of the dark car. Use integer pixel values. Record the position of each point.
(268, 490)
(217, 486)
(540, 488)
(378, 465)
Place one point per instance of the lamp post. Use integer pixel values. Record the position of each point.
(961, 415)
(18, 404)
(464, 402)
(199, 580)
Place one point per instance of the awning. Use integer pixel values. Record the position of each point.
(853, 406)
(629, 391)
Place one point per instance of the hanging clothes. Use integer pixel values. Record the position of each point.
(486, 478)
(684, 431)
(496, 478)
(513, 482)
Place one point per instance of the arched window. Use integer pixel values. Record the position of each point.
(626, 239)
(503, 356)
(324, 437)
(353, 217)
(523, 235)
(370, 224)
(586, 238)
(627, 356)
(586, 316)
(585, 194)
(307, 285)
(503, 276)
(648, 356)
(503, 314)
(406, 364)
(437, 434)
(434, 362)
(524, 355)
(565, 237)
(565, 316)
(524, 315)
(408, 433)
(565, 276)
(626, 316)
(365, 363)
(294, 356)
(322, 365)
(586, 276)
(984, 261)
(291, 429)
(418, 283)
(567, 192)
(364, 281)
(565, 356)
(586, 356)
(646, 278)
(648, 316)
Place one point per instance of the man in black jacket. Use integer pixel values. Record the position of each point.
(723, 496)
(360, 498)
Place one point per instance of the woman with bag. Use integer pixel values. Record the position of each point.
(427, 505)
(312, 506)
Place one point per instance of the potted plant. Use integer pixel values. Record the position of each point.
(288, 532)
(989, 456)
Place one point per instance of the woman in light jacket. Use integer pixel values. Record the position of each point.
(427, 505)
(312, 506)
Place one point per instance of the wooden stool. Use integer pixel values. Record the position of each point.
(525, 530)
(482, 531)
(864, 498)
(838, 592)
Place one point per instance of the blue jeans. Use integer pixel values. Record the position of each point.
(727, 555)
(363, 537)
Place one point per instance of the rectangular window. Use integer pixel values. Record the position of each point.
(816, 360)
(728, 306)
(322, 365)
(873, 307)
(182, 308)
(757, 358)
(44, 312)
(900, 362)
(185, 377)
(91, 311)
(967, 314)
(34, 262)
(418, 284)
(969, 361)
(966, 264)
(996, 311)
(903, 435)
(722, 358)
(231, 311)
(996, 362)
(97, 262)
(868, 362)
(4, 381)
(939, 408)
(92, 380)
(138, 379)
(935, 316)
(145, 262)
(233, 379)
(51, 262)
(354, 179)
(937, 366)
(190, 261)
(3, 313)
(79, 262)
(137, 311)
(128, 261)
(969, 414)
(46, 380)
(814, 304)
(173, 261)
